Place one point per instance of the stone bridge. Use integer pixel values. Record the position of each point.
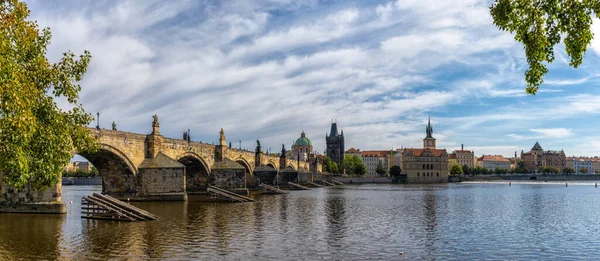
(138, 166)
(155, 167)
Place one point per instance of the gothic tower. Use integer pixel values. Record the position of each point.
(335, 145)
(429, 141)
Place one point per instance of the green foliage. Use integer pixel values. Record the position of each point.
(568, 170)
(500, 171)
(37, 139)
(466, 169)
(380, 170)
(548, 170)
(521, 168)
(330, 166)
(583, 170)
(456, 170)
(353, 165)
(395, 171)
(540, 24)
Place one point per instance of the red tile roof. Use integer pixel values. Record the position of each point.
(353, 150)
(493, 158)
(375, 153)
(419, 152)
(452, 156)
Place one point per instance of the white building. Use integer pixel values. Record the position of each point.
(492, 162)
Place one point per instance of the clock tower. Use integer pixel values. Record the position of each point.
(429, 141)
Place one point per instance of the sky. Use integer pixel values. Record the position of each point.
(269, 70)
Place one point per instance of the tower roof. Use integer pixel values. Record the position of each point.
(302, 141)
(429, 129)
(537, 146)
(333, 133)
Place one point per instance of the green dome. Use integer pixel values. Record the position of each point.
(303, 141)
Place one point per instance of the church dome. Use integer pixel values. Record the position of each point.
(303, 141)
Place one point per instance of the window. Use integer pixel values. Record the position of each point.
(417, 174)
(438, 174)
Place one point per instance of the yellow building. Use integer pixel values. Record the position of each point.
(426, 165)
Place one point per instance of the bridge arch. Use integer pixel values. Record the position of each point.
(249, 175)
(272, 165)
(291, 166)
(197, 172)
(118, 172)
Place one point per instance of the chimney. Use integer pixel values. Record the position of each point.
(462, 147)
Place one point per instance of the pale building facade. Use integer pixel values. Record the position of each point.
(492, 162)
(465, 157)
(373, 159)
(426, 165)
(78, 166)
(537, 157)
(592, 164)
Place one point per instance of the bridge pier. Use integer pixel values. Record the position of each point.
(29, 200)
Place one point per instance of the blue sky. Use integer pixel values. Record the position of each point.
(269, 69)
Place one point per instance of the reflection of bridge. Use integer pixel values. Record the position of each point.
(152, 167)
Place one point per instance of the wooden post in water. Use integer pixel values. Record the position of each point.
(596, 185)
(509, 183)
(566, 184)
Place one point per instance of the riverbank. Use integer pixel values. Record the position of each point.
(80, 181)
(363, 180)
(531, 177)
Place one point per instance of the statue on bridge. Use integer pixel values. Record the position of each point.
(155, 125)
(185, 135)
(155, 121)
(282, 149)
(114, 126)
(258, 150)
(222, 140)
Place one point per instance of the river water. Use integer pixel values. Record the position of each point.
(493, 221)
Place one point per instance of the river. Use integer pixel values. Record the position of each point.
(494, 221)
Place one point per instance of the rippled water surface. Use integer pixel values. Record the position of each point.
(493, 221)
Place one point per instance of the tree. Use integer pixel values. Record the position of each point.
(521, 168)
(568, 170)
(37, 139)
(353, 165)
(583, 170)
(348, 164)
(330, 166)
(380, 170)
(466, 169)
(456, 170)
(540, 24)
(395, 171)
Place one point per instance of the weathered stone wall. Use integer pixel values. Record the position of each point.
(287, 175)
(162, 183)
(230, 179)
(30, 200)
(265, 177)
(304, 177)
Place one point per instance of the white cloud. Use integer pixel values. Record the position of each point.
(268, 69)
(595, 44)
(553, 132)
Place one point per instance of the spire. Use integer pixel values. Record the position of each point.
(429, 129)
(333, 133)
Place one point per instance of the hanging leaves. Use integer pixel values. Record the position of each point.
(37, 139)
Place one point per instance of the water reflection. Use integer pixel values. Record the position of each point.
(27, 236)
(368, 222)
(335, 210)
